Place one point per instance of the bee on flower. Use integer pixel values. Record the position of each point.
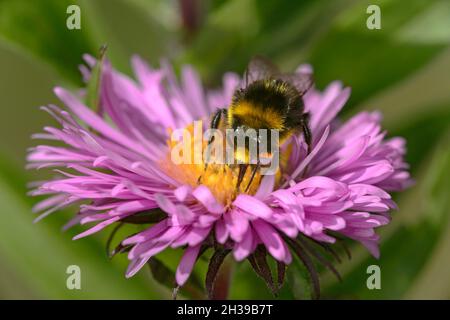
(114, 162)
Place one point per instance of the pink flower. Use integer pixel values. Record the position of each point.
(113, 159)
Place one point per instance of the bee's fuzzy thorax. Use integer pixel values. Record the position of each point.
(266, 104)
(254, 117)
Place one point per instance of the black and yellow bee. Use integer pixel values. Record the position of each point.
(268, 100)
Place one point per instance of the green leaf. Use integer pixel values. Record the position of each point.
(40, 28)
(370, 60)
(422, 134)
(166, 277)
(298, 281)
(250, 27)
(246, 284)
(146, 28)
(430, 26)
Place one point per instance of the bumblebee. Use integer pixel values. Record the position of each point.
(267, 100)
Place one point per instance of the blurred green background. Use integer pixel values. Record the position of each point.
(402, 70)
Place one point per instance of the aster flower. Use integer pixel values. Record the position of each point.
(115, 165)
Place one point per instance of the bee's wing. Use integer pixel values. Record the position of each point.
(259, 68)
(301, 81)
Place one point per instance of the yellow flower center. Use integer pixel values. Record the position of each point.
(221, 179)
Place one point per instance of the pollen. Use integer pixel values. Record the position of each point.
(221, 179)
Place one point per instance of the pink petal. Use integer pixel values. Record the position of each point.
(266, 187)
(187, 264)
(135, 266)
(221, 231)
(271, 240)
(243, 248)
(253, 206)
(205, 197)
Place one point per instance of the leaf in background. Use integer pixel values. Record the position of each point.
(417, 108)
(370, 60)
(423, 133)
(306, 260)
(162, 273)
(166, 277)
(39, 27)
(258, 261)
(131, 27)
(416, 97)
(246, 284)
(271, 28)
(430, 26)
(298, 281)
(333, 37)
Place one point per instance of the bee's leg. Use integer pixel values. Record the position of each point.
(242, 171)
(254, 169)
(215, 121)
(306, 131)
